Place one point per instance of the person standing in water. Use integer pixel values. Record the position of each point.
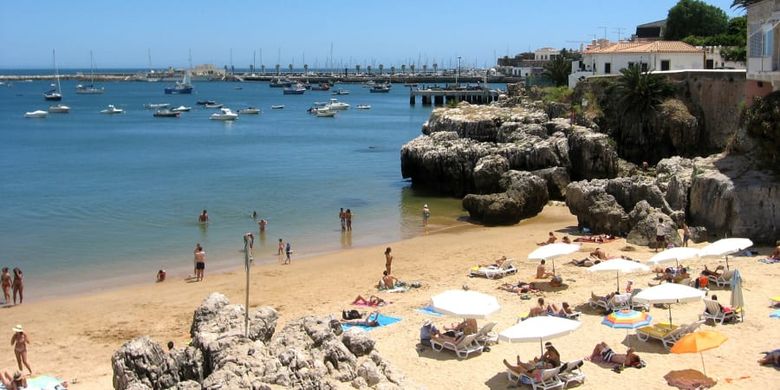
(280, 248)
(18, 285)
(348, 217)
(262, 223)
(5, 282)
(288, 251)
(200, 264)
(388, 259)
(426, 214)
(343, 218)
(203, 217)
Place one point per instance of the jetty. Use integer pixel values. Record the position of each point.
(440, 96)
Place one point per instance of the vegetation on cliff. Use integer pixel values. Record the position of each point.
(762, 122)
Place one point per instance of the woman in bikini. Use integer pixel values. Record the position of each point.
(371, 301)
(16, 382)
(20, 340)
(604, 353)
(18, 285)
(388, 260)
(371, 321)
(5, 281)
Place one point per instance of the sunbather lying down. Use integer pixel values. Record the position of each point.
(520, 287)
(586, 262)
(770, 358)
(528, 368)
(497, 263)
(373, 301)
(372, 320)
(603, 353)
(596, 238)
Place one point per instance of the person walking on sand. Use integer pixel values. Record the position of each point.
(388, 259)
(288, 251)
(343, 219)
(20, 340)
(197, 249)
(18, 285)
(203, 217)
(660, 235)
(426, 214)
(348, 218)
(5, 282)
(200, 264)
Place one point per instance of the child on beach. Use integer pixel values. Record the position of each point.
(426, 215)
(388, 260)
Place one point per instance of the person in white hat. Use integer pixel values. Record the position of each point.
(426, 214)
(20, 340)
(427, 331)
(16, 382)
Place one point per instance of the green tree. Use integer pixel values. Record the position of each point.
(557, 70)
(639, 93)
(743, 3)
(762, 121)
(694, 17)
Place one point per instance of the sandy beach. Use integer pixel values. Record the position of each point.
(73, 337)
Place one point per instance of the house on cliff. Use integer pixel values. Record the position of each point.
(763, 48)
(609, 58)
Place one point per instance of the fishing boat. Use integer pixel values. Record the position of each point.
(279, 83)
(54, 93)
(213, 105)
(166, 114)
(90, 89)
(204, 102)
(59, 109)
(181, 109)
(340, 92)
(249, 111)
(363, 106)
(156, 106)
(36, 114)
(380, 88)
(336, 105)
(324, 113)
(111, 109)
(297, 89)
(321, 87)
(224, 114)
(183, 87)
(277, 107)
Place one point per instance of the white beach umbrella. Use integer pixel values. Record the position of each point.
(551, 251)
(675, 254)
(539, 329)
(669, 293)
(725, 247)
(465, 304)
(619, 266)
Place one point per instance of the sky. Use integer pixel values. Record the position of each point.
(366, 32)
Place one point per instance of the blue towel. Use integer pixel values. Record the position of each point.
(429, 310)
(382, 319)
(775, 314)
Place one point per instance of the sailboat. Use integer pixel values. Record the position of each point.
(90, 89)
(150, 76)
(54, 94)
(183, 87)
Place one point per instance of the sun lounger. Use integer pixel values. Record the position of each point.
(574, 315)
(493, 272)
(486, 336)
(712, 311)
(466, 346)
(548, 379)
(665, 333)
(570, 372)
(722, 280)
(637, 305)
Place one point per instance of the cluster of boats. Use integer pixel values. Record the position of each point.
(161, 110)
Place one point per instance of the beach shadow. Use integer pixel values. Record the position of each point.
(585, 308)
(500, 381)
(428, 353)
(649, 346)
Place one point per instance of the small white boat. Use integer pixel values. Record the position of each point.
(213, 105)
(156, 106)
(36, 114)
(224, 114)
(277, 107)
(59, 109)
(363, 106)
(249, 111)
(112, 110)
(340, 92)
(336, 105)
(181, 109)
(324, 113)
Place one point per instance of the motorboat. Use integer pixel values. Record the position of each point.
(166, 114)
(279, 83)
(249, 111)
(340, 92)
(214, 105)
(297, 89)
(181, 109)
(59, 109)
(336, 105)
(363, 107)
(204, 102)
(277, 107)
(224, 114)
(324, 112)
(89, 89)
(183, 87)
(156, 106)
(36, 114)
(380, 88)
(321, 87)
(111, 109)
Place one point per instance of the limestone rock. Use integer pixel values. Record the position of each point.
(524, 196)
(358, 342)
(557, 179)
(139, 363)
(592, 155)
(488, 172)
(644, 221)
(595, 208)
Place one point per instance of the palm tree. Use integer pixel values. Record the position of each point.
(435, 66)
(557, 70)
(305, 69)
(744, 3)
(639, 93)
(392, 70)
(290, 66)
(357, 70)
(411, 67)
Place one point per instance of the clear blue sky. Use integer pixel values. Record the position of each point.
(369, 32)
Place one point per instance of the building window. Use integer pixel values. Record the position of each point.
(644, 66)
(666, 64)
(607, 68)
(710, 64)
(768, 43)
(756, 40)
(630, 64)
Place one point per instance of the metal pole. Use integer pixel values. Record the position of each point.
(248, 240)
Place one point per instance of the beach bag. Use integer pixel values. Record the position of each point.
(350, 314)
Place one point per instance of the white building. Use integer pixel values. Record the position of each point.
(763, 51)
(714, 60)
(610, 58)
(546, 54)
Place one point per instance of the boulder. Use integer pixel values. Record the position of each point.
(592, 155)
(524, 196)
(644, 222)
(595, 208)
(557, 179)
(140, 363)
(358, 342)
(698, 234)
(488, 172)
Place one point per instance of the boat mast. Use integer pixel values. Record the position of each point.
(56, 71)
(91, 70)
(149, 55)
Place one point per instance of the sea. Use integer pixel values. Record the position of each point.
(91, 201)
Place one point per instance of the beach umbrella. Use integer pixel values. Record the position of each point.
(725, 247)
(674, 254)
(699, 342)
(539, 329)
(737, 301)
(465, 304)
(669, 293)
(619, 266)
(551, 251)
(627, 319)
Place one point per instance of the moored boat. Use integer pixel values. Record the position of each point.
(224, 114)
(204, 102)
(336, 105)
(277, 107)
(340, 91)
(363, 106)
(380, 88)
(156, 106)
(297, 89)
(59, 109)
(213, 105)
(90, 89)
(183, 87)
(321, 87)
(181, 109)
(166, 114)
(324, 112)
(36, 114)
(54, 93)
(111, 109)
(279, 83)
(249, 111)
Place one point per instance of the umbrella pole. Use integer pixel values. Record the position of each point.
(541, 348)
(618, 282)
(727, 262)
(553, 261)
(670, 314)
(702, 364)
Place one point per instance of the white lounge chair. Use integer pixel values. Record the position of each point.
(574, 315)
(493, 272)
(548, 380)
(712, 311)
(617, 302)
(666, 334)
(637, 305)
(722, 280)
(463, 348)
(570, 372)
(486, 336)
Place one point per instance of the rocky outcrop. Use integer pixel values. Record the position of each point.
(305, 354)
(488, 172)
(644, 220)
(595, 208)
(524, 196)
(557, 179)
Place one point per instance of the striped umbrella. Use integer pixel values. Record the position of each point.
(627, 319)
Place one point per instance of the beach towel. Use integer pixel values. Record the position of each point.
(381, 318)
(429, 310)
(769, 261)
(689, 380)
(398, 289)
(42, 382)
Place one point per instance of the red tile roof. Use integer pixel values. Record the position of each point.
(644, 47)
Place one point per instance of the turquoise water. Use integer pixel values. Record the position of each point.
(90, 196)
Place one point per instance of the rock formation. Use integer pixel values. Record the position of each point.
(305, 354)
(524, 195)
